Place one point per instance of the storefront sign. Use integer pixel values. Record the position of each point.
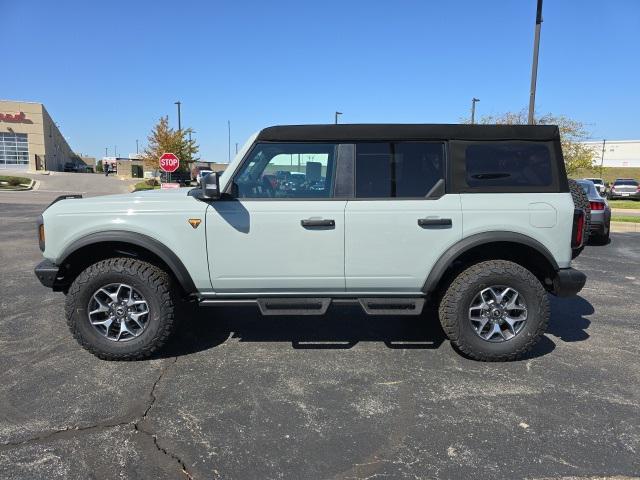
(14, 118)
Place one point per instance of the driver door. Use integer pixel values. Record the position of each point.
(279, 228)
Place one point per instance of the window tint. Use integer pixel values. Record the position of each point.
(402, 169)
(626, 182)
(508, 164)
(287, 170)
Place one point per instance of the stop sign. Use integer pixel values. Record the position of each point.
(169, 162)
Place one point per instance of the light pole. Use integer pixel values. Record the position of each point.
(604, 142)
(229, 140)
(337, 113)
(179, 119)
(474, 100)
(534, 66)
(136, 146)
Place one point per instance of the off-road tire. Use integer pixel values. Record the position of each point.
(580, 200)
(153, 283)
(454, 307)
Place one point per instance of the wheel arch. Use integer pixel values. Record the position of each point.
(512, 246)
(98, 246)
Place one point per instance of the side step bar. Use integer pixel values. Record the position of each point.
(319, 305)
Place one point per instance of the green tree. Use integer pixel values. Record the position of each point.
(572, 133)
(163, 139)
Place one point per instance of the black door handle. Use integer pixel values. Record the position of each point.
(434, 222)
(317, 223)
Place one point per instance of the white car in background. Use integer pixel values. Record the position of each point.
(599, 184)
(202, 174)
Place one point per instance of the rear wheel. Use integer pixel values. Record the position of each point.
(495, 311)
(121, 309)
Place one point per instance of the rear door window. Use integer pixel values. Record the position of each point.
(398, 169)
(504, 166)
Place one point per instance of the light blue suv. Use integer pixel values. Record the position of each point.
(475, 218)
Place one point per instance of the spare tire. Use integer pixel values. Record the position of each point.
(580, 200)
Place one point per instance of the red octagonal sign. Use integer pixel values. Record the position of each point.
(169, 162)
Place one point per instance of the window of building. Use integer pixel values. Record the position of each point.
(287, 170)
(401, 169)
(14, 150)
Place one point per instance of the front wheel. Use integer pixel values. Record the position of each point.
(495, 311)
(121, 309)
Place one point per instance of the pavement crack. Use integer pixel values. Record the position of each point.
(139, 427)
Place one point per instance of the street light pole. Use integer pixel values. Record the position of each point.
(136, 146)
(473, 109)
(534, 66)
(337, 113)
(229, 140)
(604, 142)
(179, 119)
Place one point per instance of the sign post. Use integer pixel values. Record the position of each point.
(169, 162)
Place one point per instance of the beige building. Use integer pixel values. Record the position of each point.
(30, 139)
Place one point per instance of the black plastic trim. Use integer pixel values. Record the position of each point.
(165, 253)
(47, 272)
(568, 282)
(65, 197)
(466, 244)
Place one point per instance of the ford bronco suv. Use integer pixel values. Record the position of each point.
(477, 219)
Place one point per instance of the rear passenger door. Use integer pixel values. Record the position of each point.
(401, 219)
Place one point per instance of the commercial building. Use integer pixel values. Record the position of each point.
(31, 140)
(617, 153)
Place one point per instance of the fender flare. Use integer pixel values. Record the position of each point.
(466, 244)
(154, 246)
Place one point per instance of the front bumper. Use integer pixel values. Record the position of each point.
(47, 273)
(568, 282)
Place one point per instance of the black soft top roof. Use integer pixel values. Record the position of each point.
(411, 131)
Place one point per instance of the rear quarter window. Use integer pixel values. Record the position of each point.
(504, 166)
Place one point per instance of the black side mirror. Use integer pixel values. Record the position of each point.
(211, 186)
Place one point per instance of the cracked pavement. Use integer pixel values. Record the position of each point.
(237, 395)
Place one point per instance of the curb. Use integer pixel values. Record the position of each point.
(624, 227)
(23, 189)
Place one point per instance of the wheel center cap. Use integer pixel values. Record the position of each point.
(497, 313)
(120, 311)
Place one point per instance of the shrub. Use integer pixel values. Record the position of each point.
(15, 181)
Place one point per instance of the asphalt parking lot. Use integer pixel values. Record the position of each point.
(237, 395)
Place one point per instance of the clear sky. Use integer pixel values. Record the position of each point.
(107, 70)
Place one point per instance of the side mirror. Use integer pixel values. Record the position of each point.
(211, 186)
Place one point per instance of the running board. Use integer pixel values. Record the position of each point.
(293, 306)
(392, 306)
(319, 305)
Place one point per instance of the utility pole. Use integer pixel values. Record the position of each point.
(106, 151)
(337, 113)
(473, 109)
(604, 142)
(229, 140)
(236, 148)
(534, 66)
(179, 119)
(136, 146)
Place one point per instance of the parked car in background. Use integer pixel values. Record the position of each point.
(201, 174)
(625, 188)
(70, 167)
(599, 184)
(600, 212)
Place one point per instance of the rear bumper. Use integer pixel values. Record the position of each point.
(47, 273)
(628, 196)
(568, 282)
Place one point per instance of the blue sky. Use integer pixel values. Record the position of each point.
(107, 71)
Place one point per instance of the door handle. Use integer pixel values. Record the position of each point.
(434, 222)
(311, 222)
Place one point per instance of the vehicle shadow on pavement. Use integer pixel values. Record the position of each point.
(340, 328)
(568, 322)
